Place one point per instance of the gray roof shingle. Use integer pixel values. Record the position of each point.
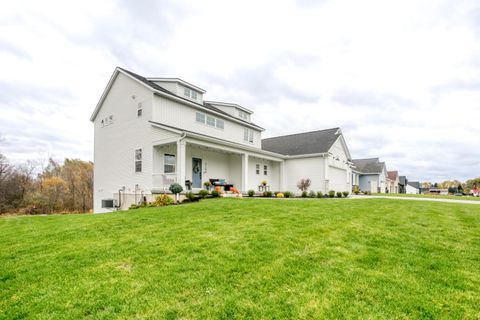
(302, 143)
(372, 165)
(414, 184)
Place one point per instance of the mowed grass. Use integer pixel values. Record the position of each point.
(253, 259)
(429, 196)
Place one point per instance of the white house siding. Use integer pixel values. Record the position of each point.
(115, 144)
(338, 179)
(272, 177)
(312, 168)
(177, 115)
(411, 190)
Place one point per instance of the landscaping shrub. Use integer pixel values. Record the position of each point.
(251, 193)
(319, 194)
(204, 193)
(304, 194)
(312, 194)
(303, 184)
(133, 206)
(215, 194)
(267, 194)
(163, 200)
(339, 194)
(331, 193)
(356, 190)
(207, 185)
(345, 193)
(287, 194)
(190, 196)
(175, 188)
(280, 195)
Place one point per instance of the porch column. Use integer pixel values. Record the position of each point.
(283, 183)
(244, 172)
(181, 163)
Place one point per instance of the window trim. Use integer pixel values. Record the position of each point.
(265, 170)
(205, 116)
(138, 160)
(257, 169)
(248, 135)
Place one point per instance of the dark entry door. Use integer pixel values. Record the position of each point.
(196, 173)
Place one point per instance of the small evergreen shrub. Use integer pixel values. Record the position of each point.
(339, 194)
(312, 194)
(287, 194)
(190, 196)
(175, 188)
(133, 206)
(203, 193)
(331, 194)
(215, 194)
(345, 193)
(267, 194)
(163, 200)
(356, 190)
(304, 194)
(251, 193)
(319, 194)
(280, 195)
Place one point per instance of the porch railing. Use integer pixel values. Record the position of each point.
(162, 181)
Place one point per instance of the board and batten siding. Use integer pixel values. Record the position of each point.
(178, 115)
(311, 168)
(115, 144)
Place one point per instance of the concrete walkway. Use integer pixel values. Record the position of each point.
(417, 199)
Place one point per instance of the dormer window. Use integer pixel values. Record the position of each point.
(194, 95)
(243, 115)
(187, 92)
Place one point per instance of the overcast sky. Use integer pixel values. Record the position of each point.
(401, 78)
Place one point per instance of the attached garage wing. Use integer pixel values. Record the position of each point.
(337, 179)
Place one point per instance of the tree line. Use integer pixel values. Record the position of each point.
(36, 187)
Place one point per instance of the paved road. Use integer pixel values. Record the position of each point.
(417, 199)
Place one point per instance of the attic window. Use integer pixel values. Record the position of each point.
(242, 114)
(194, 95)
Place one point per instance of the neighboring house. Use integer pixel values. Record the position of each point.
(372, 175)
(392, 181)
(151, 132)
(402, 184)
(413, 187)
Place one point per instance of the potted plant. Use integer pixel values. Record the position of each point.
(175, 188)
(207, 185)
(263, 183)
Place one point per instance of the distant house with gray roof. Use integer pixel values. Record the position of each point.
(370, 175)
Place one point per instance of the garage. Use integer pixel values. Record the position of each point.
(337, 179)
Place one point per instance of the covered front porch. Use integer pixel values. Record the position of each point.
(191, 162)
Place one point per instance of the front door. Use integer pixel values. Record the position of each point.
(196, 173)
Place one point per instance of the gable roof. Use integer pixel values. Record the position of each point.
(414, 184)
(303, 143)
(371, 165)
(152, 85)
(392, 175)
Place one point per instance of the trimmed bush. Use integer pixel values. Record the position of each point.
(312, 194)
(331, 194)
(251, 193)
(345, 193)
(190, 196)
(267, 194)
(287, 194)
(280, 195)
(304, 194)
(175, 188)
(203, 194)
(163, 200)
(215, 194)
(339, 194)
(356, 190)
(319, 194)
(133, 206)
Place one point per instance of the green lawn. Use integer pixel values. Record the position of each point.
(430, 196)
(258, 259)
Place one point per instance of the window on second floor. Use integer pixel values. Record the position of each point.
(187, 92)
(169, 163)
(248, 135)
(265, 170)
(209, 120)
(243, 115)
(257, 168)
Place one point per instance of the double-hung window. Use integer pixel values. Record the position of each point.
(211, 121)
(220, 124)
(200, 117)
(248, 135)
(138, 160)
(169, 163)
(265, 170)
(257, 169)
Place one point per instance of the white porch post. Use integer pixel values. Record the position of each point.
(283, 183)
(181, 163)
(244, 172)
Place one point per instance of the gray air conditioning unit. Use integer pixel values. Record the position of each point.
(109, 203)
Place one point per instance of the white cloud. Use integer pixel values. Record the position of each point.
(400, 78)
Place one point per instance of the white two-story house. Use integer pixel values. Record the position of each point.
(151, 132)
